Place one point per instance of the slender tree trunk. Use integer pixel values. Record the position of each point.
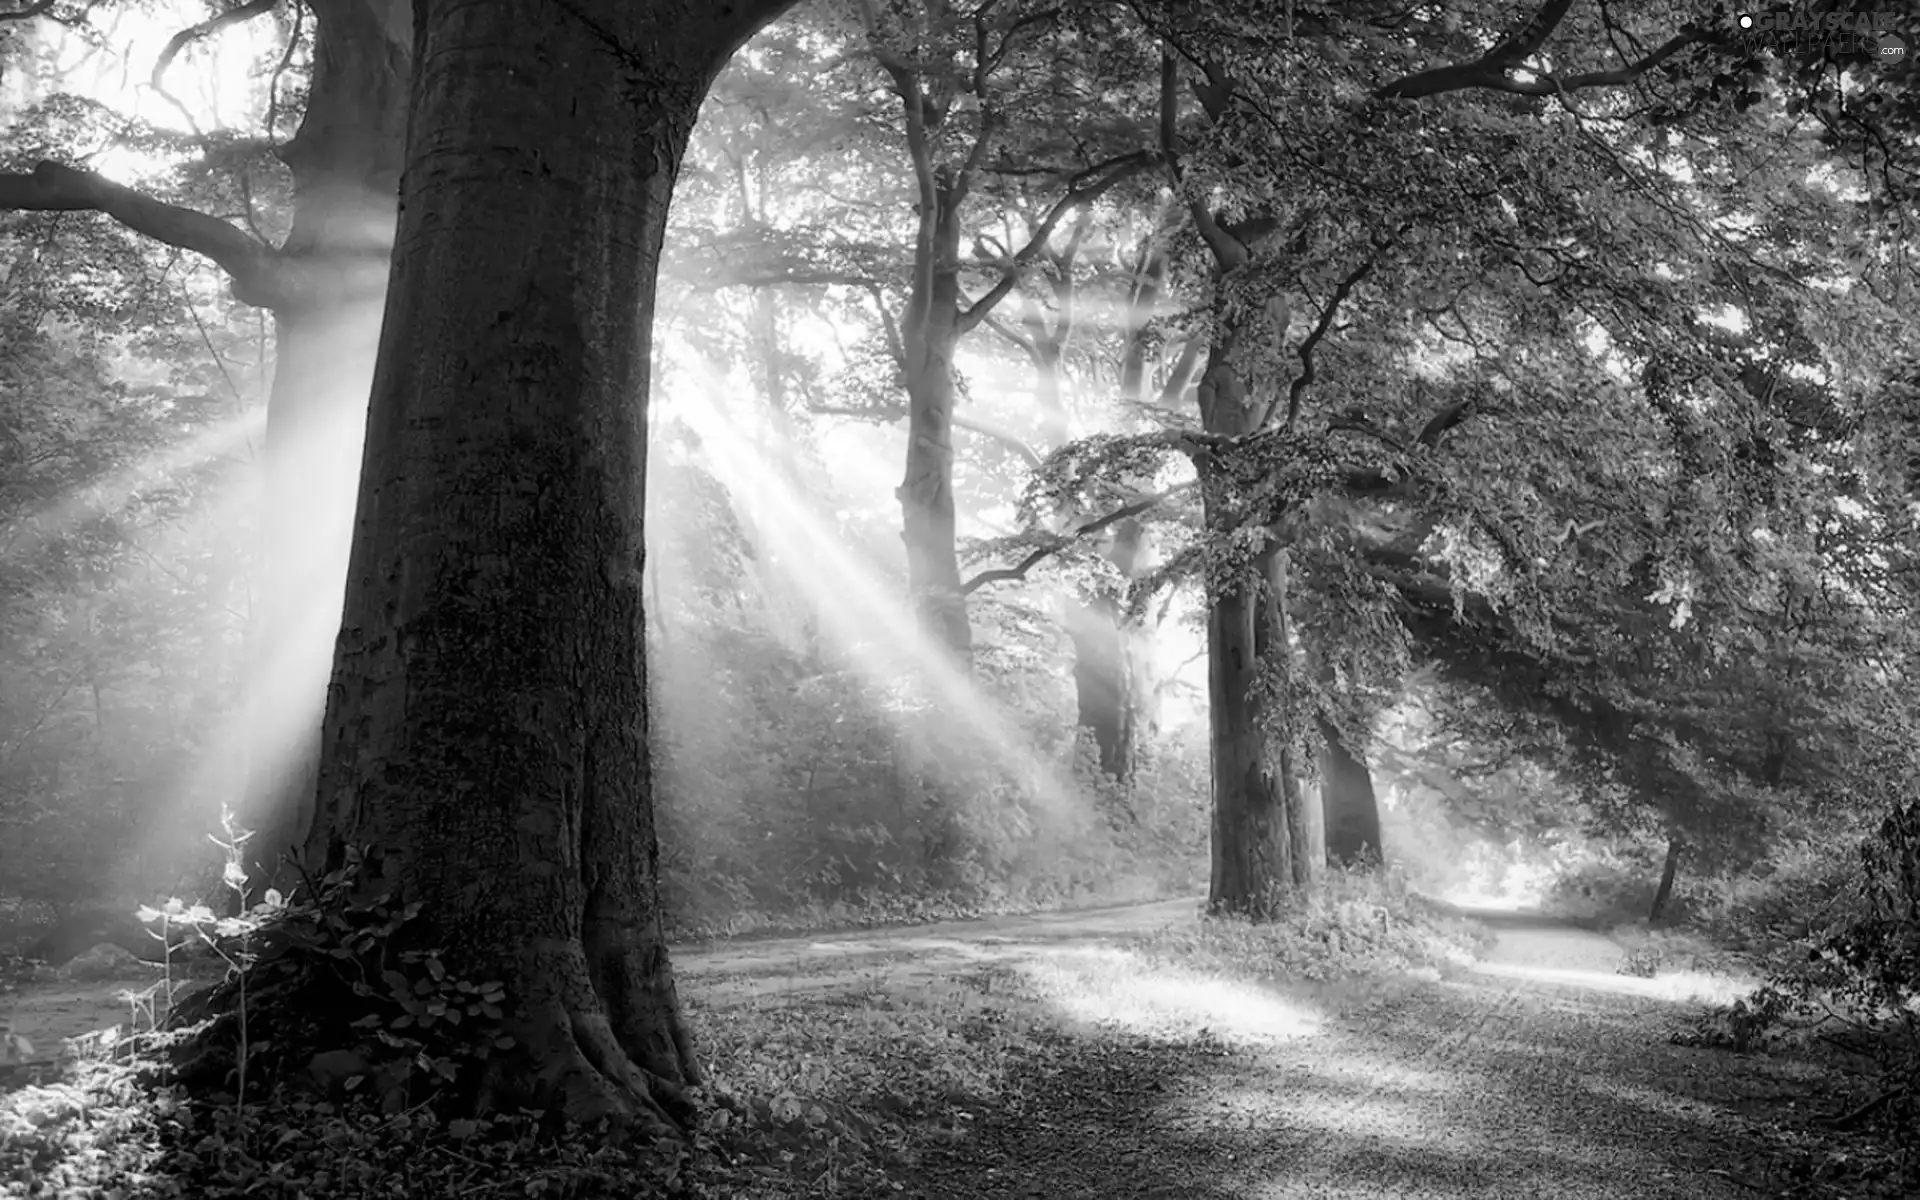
(1108, 663)
(486, 731)
(1351, 808)
(1149, 282)
(1050, 392)
(928, 521)
(1671, 868)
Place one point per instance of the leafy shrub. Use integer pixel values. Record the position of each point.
(1844, 943)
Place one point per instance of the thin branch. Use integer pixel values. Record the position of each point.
(280, 69)
(998, 433)
(1061, 542)
(767, 278)
(206, 340)
(898, 412)
(1006, 39)
(193, 33)
(895, 344)
(1084, 188)
(1012, 335)
(1298, 389)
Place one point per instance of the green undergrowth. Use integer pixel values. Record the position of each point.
(818, 1094)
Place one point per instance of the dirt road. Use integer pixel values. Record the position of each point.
(1538, 1072)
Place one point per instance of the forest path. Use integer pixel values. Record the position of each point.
(1537, 1071)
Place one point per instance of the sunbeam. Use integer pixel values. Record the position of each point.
(863, 614)
(1118, 989)
(215, 441)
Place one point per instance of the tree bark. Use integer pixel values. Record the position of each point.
(1668, 870)
(1143, 300)
(1352, 810)
(1108, 662)
(1266, 845)
(1267, 842)
(486, 729)
(931, 334)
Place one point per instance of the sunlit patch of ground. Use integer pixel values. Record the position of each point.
(1678, 986)
(1117, 989)
(1502, 887)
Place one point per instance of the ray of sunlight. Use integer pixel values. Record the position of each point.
(109, 494)
(864, 614)
(1117, 989)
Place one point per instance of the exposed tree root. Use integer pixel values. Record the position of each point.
(594, 1037)
(570, 1063)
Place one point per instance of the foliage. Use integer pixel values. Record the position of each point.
(396, 1021)
(1363, 922)
(126, 379)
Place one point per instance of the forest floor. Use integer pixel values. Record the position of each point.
(1537, 1070)
(1095, 1054)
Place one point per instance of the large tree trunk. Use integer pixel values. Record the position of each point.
(931, 334)
(1267, 842)
(345, 164)
(486, 730)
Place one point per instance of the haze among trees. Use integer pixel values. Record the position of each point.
(541, 483)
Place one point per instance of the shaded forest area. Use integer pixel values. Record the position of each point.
(1371, 464)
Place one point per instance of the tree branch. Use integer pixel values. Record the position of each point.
(255, 268)
(1495, 74)
(893, 412)
(1061, 542)
(1446, 419)
(193, 33)
(1298, 389)
(1079, 191)
(1227, 251)
(896, 346)
(1012, 335)
(1005, 437)
(760, 279)
(29, 12)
